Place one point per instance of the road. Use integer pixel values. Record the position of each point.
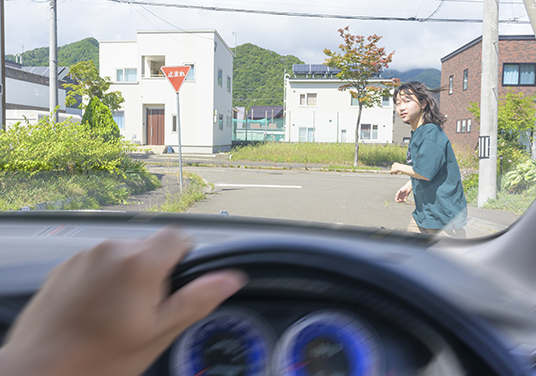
(348, 198)
(359, 199)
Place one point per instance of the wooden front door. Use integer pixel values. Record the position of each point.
(155, 126)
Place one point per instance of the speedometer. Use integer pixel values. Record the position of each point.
(328, 343)
(229, 342)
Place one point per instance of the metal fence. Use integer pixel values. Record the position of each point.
(258, 130)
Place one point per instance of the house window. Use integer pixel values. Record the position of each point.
(369, 132)
(451, 84)
(464, 123)
(151, 66)
(365, 131)
(220, 122)
(518, 74)
(191, 73)
(343, 135)
(468, 129)
(228, 84)
(308, 99)
(220, 77)
(126, 75)
(458, 126)
(306, 134)
(174, 124)
(375, 132)
(385, 101)
(465, 78)
(303, 134)
(310, 135)
(354, 101)
(119, 118)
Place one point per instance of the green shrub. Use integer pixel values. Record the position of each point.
(522, 177)
(62, 147)
(97, 115)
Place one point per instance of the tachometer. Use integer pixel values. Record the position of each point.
(229, 342)
(328, 343)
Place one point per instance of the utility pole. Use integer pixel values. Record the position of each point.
(2, 70)
(53, 64)
(487, 179)
(530, 6)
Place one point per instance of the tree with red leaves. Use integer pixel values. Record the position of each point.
(361, 60)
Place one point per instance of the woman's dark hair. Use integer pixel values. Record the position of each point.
(431, 111)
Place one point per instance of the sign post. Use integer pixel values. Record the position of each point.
(176, 76)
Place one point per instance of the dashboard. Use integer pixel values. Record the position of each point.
(323, 299)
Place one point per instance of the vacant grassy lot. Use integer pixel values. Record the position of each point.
(327, 153)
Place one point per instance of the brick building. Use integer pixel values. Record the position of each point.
(461, 81)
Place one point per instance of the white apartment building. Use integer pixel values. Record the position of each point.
(149, 114)
(316, 111)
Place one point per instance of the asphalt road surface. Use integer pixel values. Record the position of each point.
(360, 199)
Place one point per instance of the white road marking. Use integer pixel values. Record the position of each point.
(257, 186)
(204, 169)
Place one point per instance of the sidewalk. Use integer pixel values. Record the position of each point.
(225, 160)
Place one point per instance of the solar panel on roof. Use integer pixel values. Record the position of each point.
(300, 68)
(319, 68)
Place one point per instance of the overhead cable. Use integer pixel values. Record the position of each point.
(311, 15)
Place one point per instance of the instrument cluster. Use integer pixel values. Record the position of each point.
(293, 338)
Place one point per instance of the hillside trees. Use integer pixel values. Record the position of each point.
(360, 60)
(69, 54)
(258, 76)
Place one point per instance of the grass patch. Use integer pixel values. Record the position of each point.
(321, 153)
(54, 190)
(513, 202)
(194, 192)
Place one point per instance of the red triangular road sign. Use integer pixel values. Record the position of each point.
(176, 75)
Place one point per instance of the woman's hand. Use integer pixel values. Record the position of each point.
(403, 193)
(395, 168)
(106, 311)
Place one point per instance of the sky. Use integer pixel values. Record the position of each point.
(416, 44)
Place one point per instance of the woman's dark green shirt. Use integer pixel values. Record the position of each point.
(439, 202)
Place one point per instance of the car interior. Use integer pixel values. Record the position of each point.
(323, 299)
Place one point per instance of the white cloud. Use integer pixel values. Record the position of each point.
(416, 44)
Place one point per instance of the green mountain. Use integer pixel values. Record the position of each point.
(258, 72)
(430, 77)
(259, 76)
(69, 54)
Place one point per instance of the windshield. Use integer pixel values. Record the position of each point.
(345, 114)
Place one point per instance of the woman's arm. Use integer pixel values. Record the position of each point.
(397, 168)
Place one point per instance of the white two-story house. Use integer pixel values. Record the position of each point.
(149, 114)
(316, 111)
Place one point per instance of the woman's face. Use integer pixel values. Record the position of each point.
(409, 108)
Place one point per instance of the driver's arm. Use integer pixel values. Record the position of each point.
(106, 311)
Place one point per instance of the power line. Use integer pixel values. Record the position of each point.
(435, 11)
(311, 15)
